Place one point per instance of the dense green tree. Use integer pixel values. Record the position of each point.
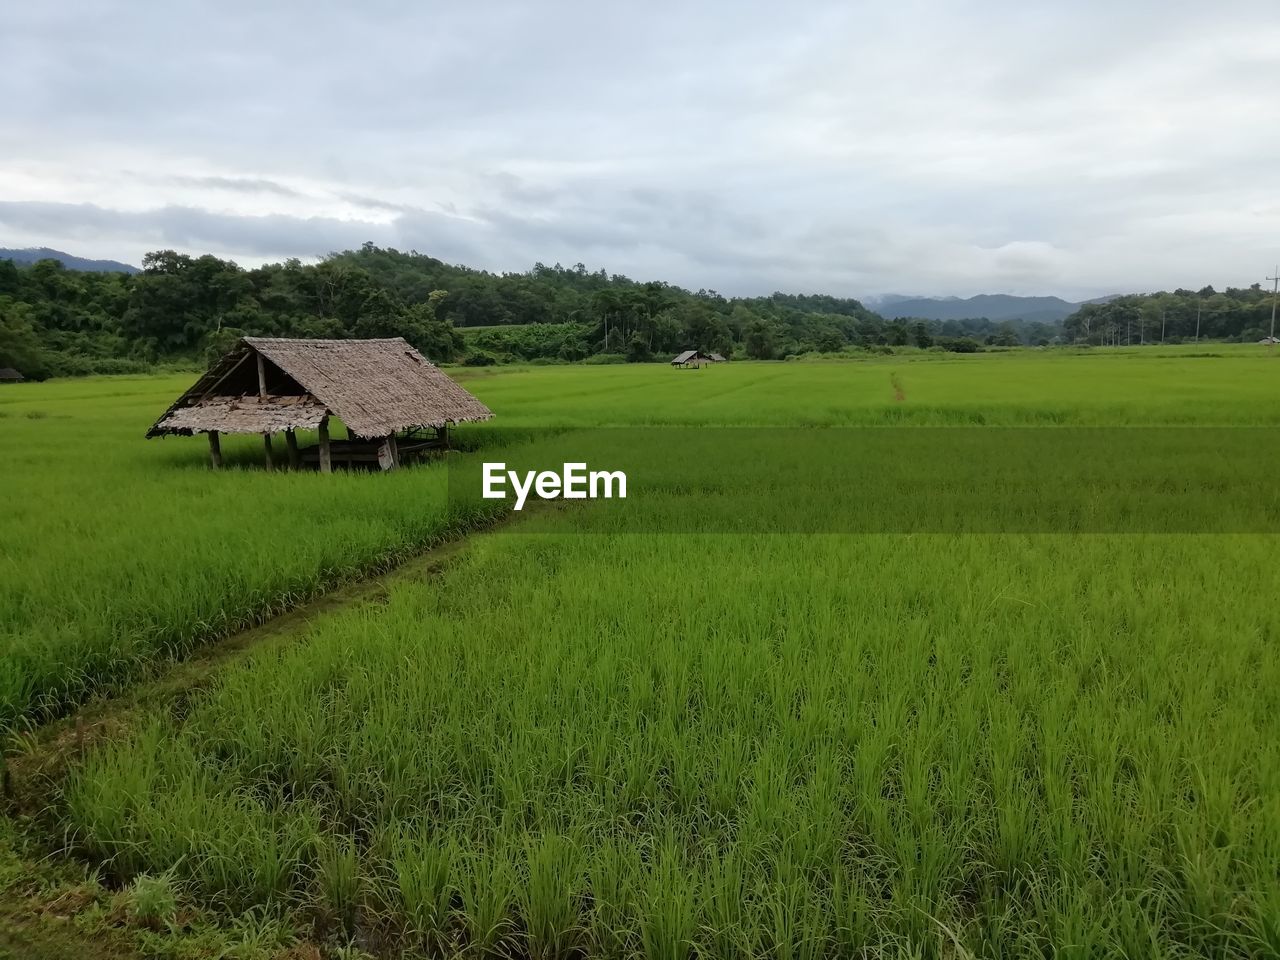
(20, 345)
(435, 338)
(182, 308)
(1234, 314)
(761, 342)
(638, 349)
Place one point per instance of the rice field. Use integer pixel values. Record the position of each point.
(117, 554)
(578, 741)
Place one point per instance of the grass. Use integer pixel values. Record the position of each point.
(500, 326)
(119, 554)
(633, 745)
(658, 744)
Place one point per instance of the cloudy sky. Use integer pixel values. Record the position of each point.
(1074, 147)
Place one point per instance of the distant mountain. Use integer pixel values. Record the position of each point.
(997, 306)
(32, 254)
(877, 300)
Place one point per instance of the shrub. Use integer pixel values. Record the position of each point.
(152, 900)
(959, 344)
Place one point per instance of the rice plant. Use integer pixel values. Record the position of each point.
(585, 739)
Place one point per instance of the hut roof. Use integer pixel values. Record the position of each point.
(716, 357)
(8, 373)
(376, 387)
(686, 356)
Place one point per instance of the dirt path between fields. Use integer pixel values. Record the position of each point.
(45, 753)
(52, 907)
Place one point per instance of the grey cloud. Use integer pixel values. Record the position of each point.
(236, 184)
(374, 203)
(194, 229)
(259, 237)
(1009, 147)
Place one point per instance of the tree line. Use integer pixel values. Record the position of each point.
(184, 309)
(1179, 317)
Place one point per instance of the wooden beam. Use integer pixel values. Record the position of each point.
(262, 375)
(443, 434)
(266, 446)
(215, 450)
(217, 383)
(326, 461)
(291, 441)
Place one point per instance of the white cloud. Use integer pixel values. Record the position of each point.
(1071, 148)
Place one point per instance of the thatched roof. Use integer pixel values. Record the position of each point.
(8, 373)
(376, 387)
(246, 415)
(686, 356)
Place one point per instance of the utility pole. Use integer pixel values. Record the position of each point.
(1199, 306)
(1275, 293)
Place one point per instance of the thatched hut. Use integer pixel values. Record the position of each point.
(384, 391)
(690, 358)
(10, 375)
(696, 358)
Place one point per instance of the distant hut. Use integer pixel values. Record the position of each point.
(10, 375)
(378, 388)
(690, 358)
(717, 358)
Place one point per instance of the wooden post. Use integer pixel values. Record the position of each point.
(291, 441)
(262, 392)
(215, 450)
(395, 450)
(326, 463)
(443, 433)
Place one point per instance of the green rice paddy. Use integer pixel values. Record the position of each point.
(576, 743)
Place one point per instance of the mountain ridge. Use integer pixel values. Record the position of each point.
(992, 306)
(891, 306)
(28, 255)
